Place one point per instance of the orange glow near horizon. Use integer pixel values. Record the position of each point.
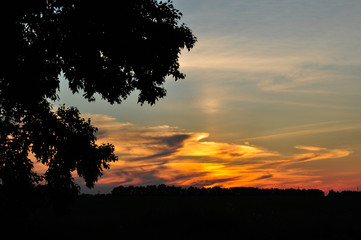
(163, 154)
(166, 155)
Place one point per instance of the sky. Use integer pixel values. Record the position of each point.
(271, 99)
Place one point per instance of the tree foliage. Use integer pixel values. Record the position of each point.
(62, 141)
(106, 47)
(110, 48)
(65, 142)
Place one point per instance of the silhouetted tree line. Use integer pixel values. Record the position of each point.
(164, 190)
(333, 193)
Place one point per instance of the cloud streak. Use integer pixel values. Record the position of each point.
(164, 154)
(301, 131)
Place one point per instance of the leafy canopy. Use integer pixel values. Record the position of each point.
(110, 48)
(106, 47)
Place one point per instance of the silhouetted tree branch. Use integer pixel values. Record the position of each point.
(65, 142)
(107, 47)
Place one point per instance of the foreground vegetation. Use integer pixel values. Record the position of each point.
(164, 212)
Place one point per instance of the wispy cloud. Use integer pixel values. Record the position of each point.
(164, 154)
(316, 128)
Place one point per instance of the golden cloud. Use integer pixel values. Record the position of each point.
(164, 154)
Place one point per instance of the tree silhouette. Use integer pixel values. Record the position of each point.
(15, 166)
(65, 142)
(108, 48)
(61, 140)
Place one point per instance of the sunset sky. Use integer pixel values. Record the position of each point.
(271, 99)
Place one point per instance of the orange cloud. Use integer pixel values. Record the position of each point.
(164, 154)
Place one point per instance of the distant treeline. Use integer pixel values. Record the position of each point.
(333, 193)
(164, 190)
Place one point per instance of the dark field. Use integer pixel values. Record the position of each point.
(193, 217)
